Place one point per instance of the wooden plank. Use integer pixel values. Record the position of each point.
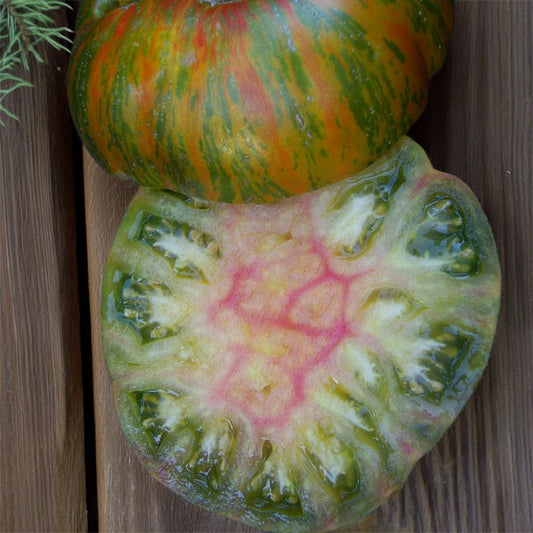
(479, 126)
(42, 467)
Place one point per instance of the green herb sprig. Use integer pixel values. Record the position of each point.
(24, 24)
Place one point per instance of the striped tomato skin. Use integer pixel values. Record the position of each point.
(250, 101)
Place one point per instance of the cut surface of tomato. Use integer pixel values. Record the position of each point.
(287, 364)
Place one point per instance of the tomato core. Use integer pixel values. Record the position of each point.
(289, 307)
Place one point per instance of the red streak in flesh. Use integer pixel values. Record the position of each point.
(308, 325)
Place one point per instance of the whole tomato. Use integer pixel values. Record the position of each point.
(245, 100)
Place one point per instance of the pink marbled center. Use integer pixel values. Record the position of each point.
(282, 318)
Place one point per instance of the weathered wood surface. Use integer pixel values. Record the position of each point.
(42, 465)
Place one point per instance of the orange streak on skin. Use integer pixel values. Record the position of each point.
(400, 34)
(251, 90)
(104, 67)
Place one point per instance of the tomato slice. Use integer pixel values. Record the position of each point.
(287, 364)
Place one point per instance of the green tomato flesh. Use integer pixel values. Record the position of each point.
(287, 364)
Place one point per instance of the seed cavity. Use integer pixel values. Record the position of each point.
(159, 412)
(440, 370)
(441, 234)
(183, 246)
(364, 366)
(360, 209)
(332, 463)
(210, 455)
(273, 487)
(147, 306)
(388, 304)
(339, 401)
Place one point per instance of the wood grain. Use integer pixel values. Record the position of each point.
(478, 125)
(42, 468)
